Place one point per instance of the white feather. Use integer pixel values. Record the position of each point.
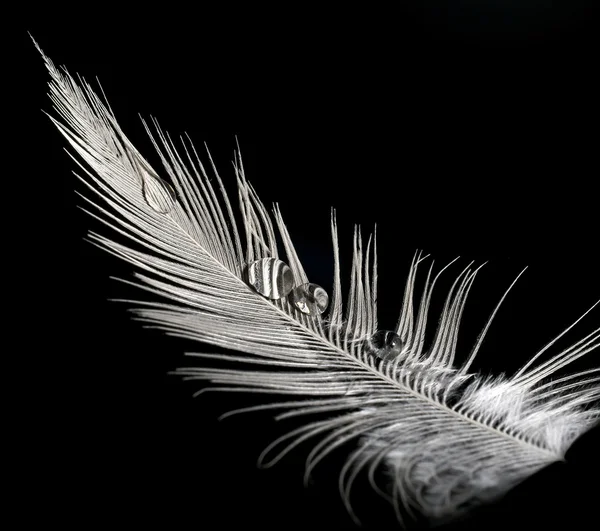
(449, 439)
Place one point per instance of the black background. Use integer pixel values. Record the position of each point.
(468, 131)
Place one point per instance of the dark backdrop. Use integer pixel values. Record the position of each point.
(469, 131)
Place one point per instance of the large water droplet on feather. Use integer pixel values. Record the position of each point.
(384, 344)
(158, 194)
(310, 299)
(271, 277)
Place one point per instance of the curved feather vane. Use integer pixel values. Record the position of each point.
(447, 438)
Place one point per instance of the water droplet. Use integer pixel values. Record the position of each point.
(310, 299)
(384, 344)
(158, 194)
(271, 277)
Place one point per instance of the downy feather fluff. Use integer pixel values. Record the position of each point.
(447, 438)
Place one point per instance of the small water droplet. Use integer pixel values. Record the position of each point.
(158, 194)
(384, 344)
(310, 299)
(271, 277)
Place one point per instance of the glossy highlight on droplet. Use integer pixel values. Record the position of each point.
(310, 299)
(270, 277)
(158, 193)
(384, 344)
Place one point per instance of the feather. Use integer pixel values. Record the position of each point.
(447, 438)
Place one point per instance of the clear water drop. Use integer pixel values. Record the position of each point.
(158, 193)
(384, 344)
(310, 299)
(271, 277)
